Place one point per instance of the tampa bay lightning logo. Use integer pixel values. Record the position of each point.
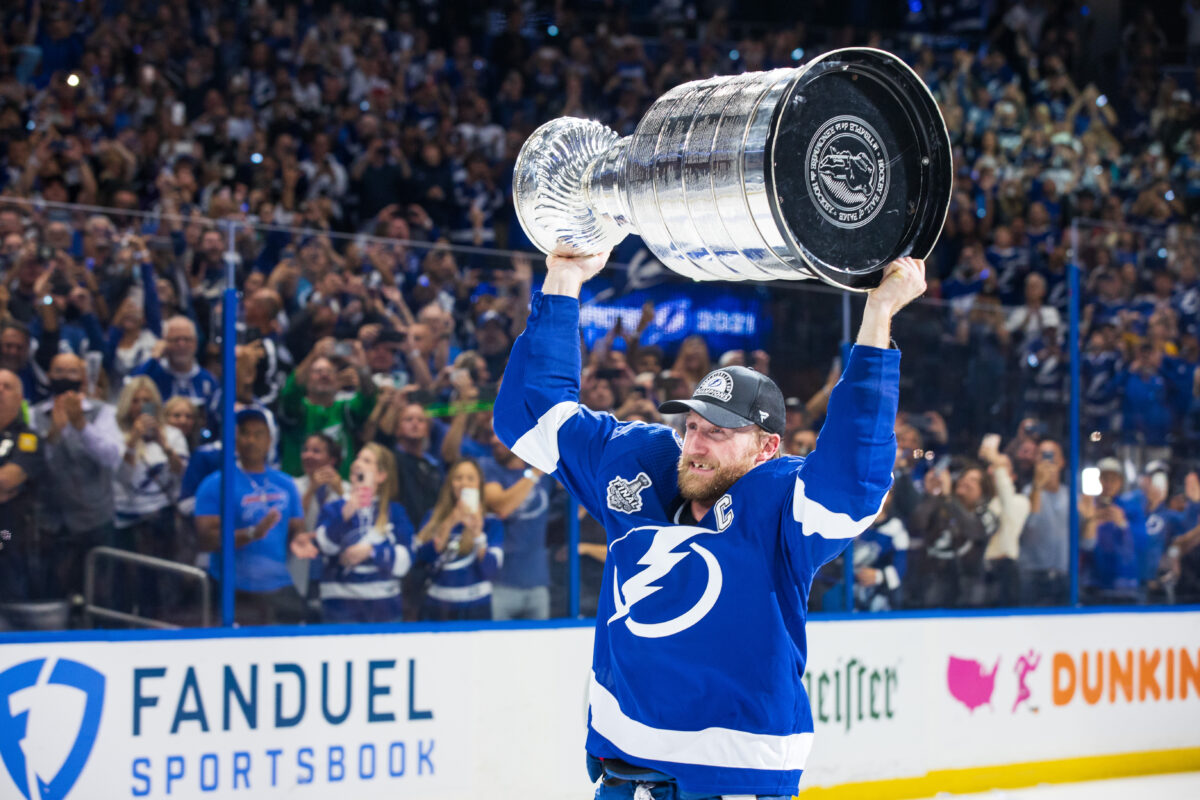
(15, 706)
(716, 384)
(657, 563)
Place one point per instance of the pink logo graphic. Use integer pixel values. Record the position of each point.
(1025, 665)
(969, 684)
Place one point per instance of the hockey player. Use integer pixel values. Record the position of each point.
(712, 544)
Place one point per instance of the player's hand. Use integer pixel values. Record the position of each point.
(566, 275)
(903, 281)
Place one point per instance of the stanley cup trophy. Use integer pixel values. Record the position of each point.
(829, 171)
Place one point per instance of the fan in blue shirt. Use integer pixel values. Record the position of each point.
(268, 519)
(520, 496)
(712, 544)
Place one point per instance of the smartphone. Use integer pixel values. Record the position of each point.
(343, 349)
(991, 441)
(470, 498)
(1159, 481)
(178, 114)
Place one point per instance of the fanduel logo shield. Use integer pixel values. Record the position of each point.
(18, 697)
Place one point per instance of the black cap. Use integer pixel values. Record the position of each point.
(734, 397)
(251, 414)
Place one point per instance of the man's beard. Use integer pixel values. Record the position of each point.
(707, 489)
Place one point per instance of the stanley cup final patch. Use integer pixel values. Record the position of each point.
(626, 496)
(848, 168)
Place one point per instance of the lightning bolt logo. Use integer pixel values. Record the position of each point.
(660, 558)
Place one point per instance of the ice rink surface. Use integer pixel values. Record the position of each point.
(1179, 786)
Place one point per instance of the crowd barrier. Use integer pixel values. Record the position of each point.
(904, 707)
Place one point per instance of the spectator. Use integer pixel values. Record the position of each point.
(880, 564)
(321, 482)
(310, 403)
(146, 485)
(1106, 544)
(15, 356)
(801, 442)
(22, 461)
(364, 540)
(692, 362)
(463, 546)
(951, 535)
(175, 371)
(1145, 410)
(137, 323)
(420, 473)
(83, 447)
(268, 520)
(520, 496)
(1010, 509)
(180, 414)
(1043, 548)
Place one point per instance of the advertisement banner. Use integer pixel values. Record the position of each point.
(502, 713)
(901, 698)
(439, 715)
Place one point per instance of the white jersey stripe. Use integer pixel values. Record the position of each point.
(817, 520)
(711, 747)
(403, 562)
(374, 590)
(460, 594)
(539, 446)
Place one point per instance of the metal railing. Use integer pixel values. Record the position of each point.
(91, 609)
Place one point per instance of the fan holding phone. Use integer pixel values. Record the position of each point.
(363, 541)
(461, 548)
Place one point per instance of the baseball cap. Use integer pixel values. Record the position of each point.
(1157, 465)
(733, 397)
(249, 415)
(489, 316)
(1110, 464)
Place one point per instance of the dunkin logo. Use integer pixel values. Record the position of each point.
(1129, 675)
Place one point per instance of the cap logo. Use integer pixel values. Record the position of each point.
(718, 385)
(762, 416)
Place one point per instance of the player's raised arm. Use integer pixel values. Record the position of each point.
(841, 486)
(538, 404)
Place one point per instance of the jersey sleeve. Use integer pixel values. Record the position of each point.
(841, 486)
(537, 411)
(393, 555)
(331, 528)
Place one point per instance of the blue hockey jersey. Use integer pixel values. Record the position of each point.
(700, 643)
(370, 591)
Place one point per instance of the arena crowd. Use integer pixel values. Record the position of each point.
(351, 163)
